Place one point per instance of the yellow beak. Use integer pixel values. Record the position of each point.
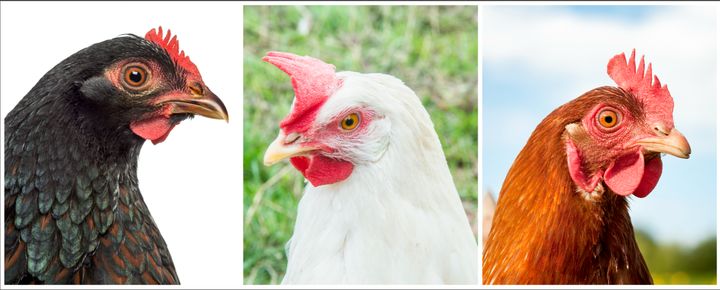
(673, 143)
(280, 149)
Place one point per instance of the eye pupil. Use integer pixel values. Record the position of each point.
(608, 118)
(135, 76)
(350, 122)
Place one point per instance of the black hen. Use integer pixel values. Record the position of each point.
(73, 210)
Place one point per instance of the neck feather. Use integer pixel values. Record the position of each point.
(544, 229)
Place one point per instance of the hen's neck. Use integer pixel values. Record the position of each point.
(546, 231)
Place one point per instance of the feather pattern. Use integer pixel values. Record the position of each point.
(71, 218)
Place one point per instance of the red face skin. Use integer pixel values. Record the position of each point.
(610, 153)
(624, 155)
(162, 93)
(317, 166)
(155, 126)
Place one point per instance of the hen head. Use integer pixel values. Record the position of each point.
(146, 85)
(338, 121)
(622, 131)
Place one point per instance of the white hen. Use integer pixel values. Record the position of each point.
(381, 206)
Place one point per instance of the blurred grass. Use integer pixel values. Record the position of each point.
(674, 264)
(432, 48)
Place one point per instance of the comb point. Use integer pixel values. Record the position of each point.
(313, 80)
(644, 86)
(170, 44)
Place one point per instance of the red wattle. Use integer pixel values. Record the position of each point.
(155, 129)
(624, 174)
(651, 176)
(301, 163)
(321, 170)
(632, 174)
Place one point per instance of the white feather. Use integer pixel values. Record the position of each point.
(398, 218)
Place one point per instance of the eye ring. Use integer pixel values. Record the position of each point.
(135, 76)
(608, 118)
(350, 122)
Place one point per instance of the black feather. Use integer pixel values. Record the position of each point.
(73, 210)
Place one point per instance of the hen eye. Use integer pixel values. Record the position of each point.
(135, 76)
(350, 122)
(608, 118)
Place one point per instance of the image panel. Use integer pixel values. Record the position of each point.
(588, 172)
(376, 109)
(108, 177)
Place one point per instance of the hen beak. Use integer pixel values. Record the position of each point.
(673, 143)
(200, 102)
(281, 149)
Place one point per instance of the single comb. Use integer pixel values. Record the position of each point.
(172, 46)
(313, 81)
(644, 86)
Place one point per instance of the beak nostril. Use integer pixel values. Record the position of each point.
(196, 89)
(291, 138)
(661, 130)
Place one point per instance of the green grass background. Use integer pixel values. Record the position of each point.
(433, 49)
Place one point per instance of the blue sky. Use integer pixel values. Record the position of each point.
(624, 13)
(556, 53)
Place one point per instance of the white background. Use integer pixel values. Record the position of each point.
(192, 182)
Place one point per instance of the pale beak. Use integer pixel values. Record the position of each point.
(673, 143)
(280, 150)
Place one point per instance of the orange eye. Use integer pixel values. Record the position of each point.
(135, 76)
(350, 122)
(608, 118)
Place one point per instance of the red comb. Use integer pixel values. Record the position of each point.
(643, 85)
(171, 45)
(313, 81)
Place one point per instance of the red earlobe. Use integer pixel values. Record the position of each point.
(575, 168)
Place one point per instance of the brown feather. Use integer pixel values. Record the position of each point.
(544, 231)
